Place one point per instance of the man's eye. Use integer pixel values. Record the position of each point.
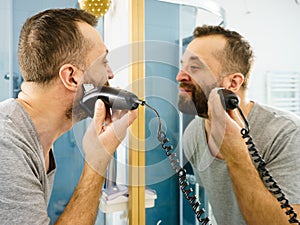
(194, 67)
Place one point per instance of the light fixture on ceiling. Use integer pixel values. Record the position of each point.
(96, 7)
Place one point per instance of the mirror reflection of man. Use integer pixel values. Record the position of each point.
(217, 57)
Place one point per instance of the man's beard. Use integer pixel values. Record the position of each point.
(75, 112)
(197, 105)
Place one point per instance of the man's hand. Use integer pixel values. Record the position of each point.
(224, 136)
(104, 135)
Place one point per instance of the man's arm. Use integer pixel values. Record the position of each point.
(257, 204)
(99, 144)
(83, 205)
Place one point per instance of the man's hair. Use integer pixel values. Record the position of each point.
(51, 39)
(237, 55)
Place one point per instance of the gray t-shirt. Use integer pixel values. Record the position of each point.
(25, 187)
(276, 135)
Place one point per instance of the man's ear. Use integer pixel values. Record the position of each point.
(68, 76)
(233, 81)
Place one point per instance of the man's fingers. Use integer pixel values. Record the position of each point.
(236, 117)
(217, 118)
(99, 115)
(99, 144)
(119, 127)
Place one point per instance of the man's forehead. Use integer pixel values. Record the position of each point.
(207, 45)
(103, 49)
(190, 56)
(205, 50)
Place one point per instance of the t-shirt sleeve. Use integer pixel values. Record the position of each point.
(21, 192)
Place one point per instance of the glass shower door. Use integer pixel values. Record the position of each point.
(172, 34)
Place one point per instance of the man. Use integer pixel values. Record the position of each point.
(220, 58)
(59, 50)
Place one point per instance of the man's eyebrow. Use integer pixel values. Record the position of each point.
(194, 58)
(198, 60)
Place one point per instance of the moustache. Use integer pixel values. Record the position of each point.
(187, 86)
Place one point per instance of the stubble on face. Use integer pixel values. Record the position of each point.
(75, 110)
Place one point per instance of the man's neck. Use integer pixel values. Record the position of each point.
(46, 109)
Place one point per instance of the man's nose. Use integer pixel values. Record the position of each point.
(182, 76)
(110, 73)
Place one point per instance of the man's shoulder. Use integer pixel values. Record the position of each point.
(195, 124)
(266, 114)
(11, 109)
(17, 128)
(194, 130)
(13, 116)
(7, 104)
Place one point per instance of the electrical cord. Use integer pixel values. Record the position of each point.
(185, 187)
(265, 174)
